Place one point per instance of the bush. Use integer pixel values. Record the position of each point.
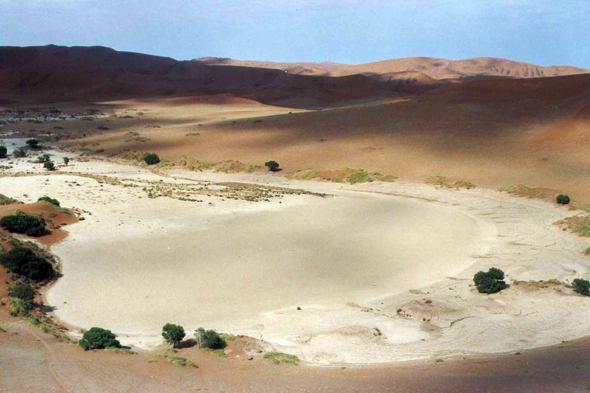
(33, 143)
(49, 165)
(66, 161)
(208, 339)
(582, 286)
(3, 151)
(47, 199)
(98, 338)
(20, 152)
(151, 158)
(272, 165)
(22, 291)
(24, 262)
(562, 199)
(173, 334)
(24, 223)
(490, 282)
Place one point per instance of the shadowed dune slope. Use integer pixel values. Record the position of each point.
(58, 73)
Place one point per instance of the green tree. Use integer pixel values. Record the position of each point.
(173, 334)
(24, 262)
(22, 291)
(98, 338)
(562, 199)
(582, 286)
(273, 166)
(490, 281)
(151, 158)
(66, 161)
(3, 151)
(208, 339)
(33, 143)
(50, 166)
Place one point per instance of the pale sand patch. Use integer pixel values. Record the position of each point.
(348, 261)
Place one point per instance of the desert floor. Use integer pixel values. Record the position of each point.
(382, 271)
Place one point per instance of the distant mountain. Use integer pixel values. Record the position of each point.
(434, 68)
(299, 68)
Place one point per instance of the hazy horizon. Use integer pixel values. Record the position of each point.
(346, 31)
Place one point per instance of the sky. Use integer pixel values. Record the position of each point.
(543, 32)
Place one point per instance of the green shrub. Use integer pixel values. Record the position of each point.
(562, 199)
(49, 165)
(173, 334)
(24, 262)
(208, 339)
(22, 291)
(47, 199)
(3, 151)
(151, 158)
(272, 166)
(33, 143)
(98, 338)
(23, 223)
(66, 160)
(582, 286)
(490, 282)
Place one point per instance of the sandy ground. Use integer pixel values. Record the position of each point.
(379, 278)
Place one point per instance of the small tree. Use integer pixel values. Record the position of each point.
(3, 151)
(582, 286)
(490, 281)
(66, 161)
(208, 338)
(151, 158)
(273, 166)
(98, 338)
(562, 199)
(33, 143)
(173, 334)
(22, 291)
(49, 165)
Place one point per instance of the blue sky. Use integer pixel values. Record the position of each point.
(544, 32)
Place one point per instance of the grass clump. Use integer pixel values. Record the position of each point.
(307, 175)
(336, 179)
(385, 178)
(583, 229)
(18, 306)
(218, 352)
(279, 357)
(464, 184)
(523, 191)
(4, 200)
(47, 199)
(587, 251)
(359, 177)
(178, 360)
